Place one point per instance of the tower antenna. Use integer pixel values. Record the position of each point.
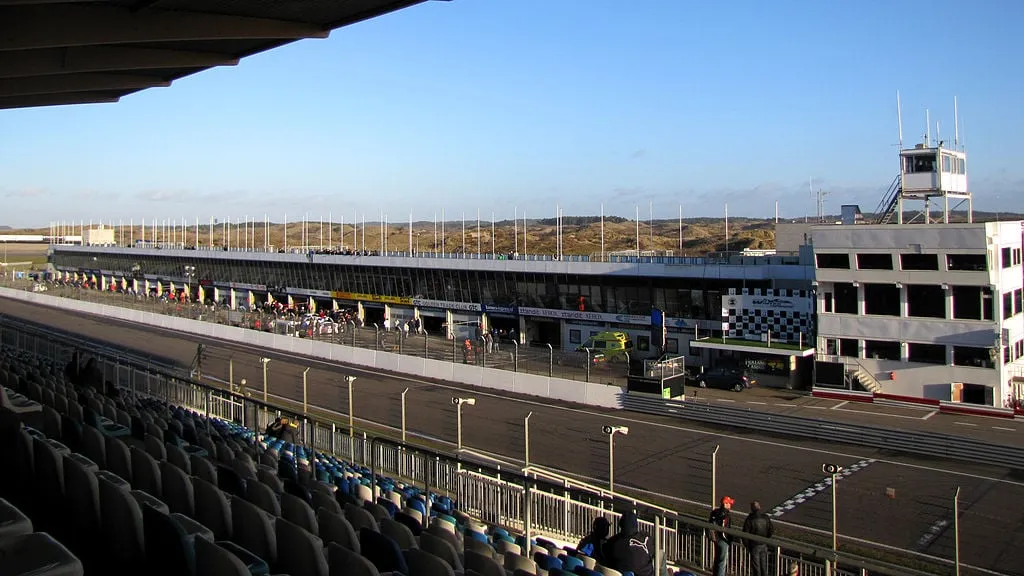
(927, 128)
(899, 117)
(956, 125)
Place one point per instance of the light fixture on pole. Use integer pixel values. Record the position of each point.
(956, 530)
(526, 435)
(611, 431)
(351, 418)
(404, 392)
(264, 360)
(458, 402)
(833, 470)
(714, 476)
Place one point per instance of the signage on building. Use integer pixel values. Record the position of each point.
(371, 298)
(495, 309)
(757, 302)
(446, 305)
(244, 286)
(306, 292)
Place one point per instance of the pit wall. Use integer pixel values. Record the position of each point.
(592, 394)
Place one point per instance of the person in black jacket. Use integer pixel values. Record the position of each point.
(629, 550)
(759, 524)
(593, 544)
(721, 516)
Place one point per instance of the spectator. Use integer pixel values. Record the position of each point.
(73, 369)
(274, 429)
(593, 544)
(91, 377)
(758, 524)
(628, 551)
(721, 517)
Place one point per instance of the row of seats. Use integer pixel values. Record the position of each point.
(139, 485)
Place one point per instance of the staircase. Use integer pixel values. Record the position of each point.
(890, 202)
(865, 380)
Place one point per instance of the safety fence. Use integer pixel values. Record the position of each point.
(503, 354)
(525, 503)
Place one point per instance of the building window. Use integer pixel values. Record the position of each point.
(834, 261)
(926, 301)
(1007, 305)
(919, 261)
(973, 357)
(882, 299)
(828, 302)
(874, 261)
(1016, 256)
(845, 297)
(831, 347)
(1007, 257)
(967, 262)
(849, 347)
(1018, 301)
(926, 353)
(920, 163)
(881, 350)
(972, 303)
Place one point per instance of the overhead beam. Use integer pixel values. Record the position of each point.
(57, 99)
(33, 27)
(373, 12)
(103, 59)
(36, 2)
(78, 83)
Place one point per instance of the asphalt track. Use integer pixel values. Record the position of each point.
(664, 456)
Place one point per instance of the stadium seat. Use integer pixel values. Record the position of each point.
(335, 528)
(215, 560)
(295, 510)
(484, 564)
(305, 555)
(399, 533)
(442, 549)
(121, 521)
(345, 562)
(360, 518)
(423, 563)
(203, 468)
(382, 551)
(12, 521)
(169, 551)
(38, 554)
(145, 472)
(178, 457)
(254, 530)
(119, 458)
(256, 565)
(212, 508)
(178, 492)
(263, 497)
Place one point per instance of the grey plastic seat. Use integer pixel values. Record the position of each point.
(484, 564)
(119, 458)
(335, 528)
(155, 448)
(213, 560)
(48, 486)
(121, 520)
(12, 521)
(515, 562)
(212, 508)
(178, 457)
(38, 553)
(305, 555)
(94, 446)
(321, 500)
(422, 563)
(398, 532)
(345, 562)
(270, 478)
(178, 492)
(263, 497)
(295, 510)
(203, 468)
(254, 530)
(360, 518)
(51, 423)
(83, 507)
(440, 548)
(145, 472)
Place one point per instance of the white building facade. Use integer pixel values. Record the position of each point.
(926, 310)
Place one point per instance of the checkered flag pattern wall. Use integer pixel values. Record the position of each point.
(748, 323)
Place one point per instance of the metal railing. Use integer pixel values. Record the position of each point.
(525, 503)
(920, 443)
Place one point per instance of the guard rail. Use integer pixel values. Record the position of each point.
(918, 443)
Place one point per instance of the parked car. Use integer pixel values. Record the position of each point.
(725, 379)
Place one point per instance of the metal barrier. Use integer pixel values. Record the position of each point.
(518, 501)
(928, 444)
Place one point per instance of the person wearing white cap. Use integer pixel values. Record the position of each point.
(721, 516)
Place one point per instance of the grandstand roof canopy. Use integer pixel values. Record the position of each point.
(55, 52)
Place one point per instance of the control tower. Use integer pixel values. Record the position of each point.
(931, 175)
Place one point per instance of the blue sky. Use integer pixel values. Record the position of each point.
(496, 104)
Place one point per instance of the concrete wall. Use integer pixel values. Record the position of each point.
(592, 394)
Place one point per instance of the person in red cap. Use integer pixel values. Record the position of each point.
(722, 517)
